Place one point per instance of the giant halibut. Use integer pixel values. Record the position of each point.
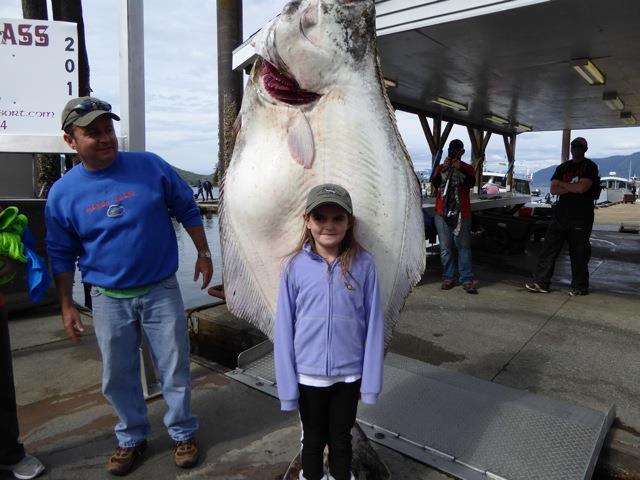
(315, 110)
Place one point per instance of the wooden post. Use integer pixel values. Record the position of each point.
(427, 133)
(566, 138)
(229, 23)
(71, 11)
(479, 141)
(445, 134)
(510, 148)
(47, 165)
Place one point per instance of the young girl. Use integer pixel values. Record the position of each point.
(329, 332)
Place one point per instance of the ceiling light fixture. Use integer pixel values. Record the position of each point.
(628, 118)
(587, 70)
(612, 100)
(452, 104)
(498, 120)
(388, 83)
(523, 127)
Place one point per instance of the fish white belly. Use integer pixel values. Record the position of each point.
(265, 191)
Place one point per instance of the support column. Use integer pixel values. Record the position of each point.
(71, 11)
(229, 23)
(436, 139)
(479, 141)
(510, 149)
(566, 139)
(132, 108)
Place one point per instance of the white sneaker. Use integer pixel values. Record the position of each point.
(26, 469)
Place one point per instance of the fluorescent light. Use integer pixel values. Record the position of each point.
(613, 100)
(498, 120)
(628, 118)
(445, 102)
(388, 83)
(523, 127)
(588, 71)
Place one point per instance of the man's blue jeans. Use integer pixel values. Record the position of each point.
(449, 243)
(119, 323)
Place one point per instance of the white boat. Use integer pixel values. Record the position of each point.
(614, 188)
(496, 183)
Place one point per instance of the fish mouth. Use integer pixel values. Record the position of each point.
(284, 88)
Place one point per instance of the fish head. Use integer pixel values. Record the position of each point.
(319, 43)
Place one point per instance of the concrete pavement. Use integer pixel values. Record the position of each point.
(580, 349)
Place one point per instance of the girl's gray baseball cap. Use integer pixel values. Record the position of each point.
(84, 110)
(328, 193)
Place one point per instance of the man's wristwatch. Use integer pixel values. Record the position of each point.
(204, 254)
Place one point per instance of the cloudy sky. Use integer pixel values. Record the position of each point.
(181, 87)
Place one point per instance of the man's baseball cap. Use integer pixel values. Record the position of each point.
(329, 193)
(579, 142)
(84, 110)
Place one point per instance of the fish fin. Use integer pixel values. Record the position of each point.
(300, 139)
(242, 289)
(237, 125)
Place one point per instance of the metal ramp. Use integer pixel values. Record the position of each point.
(464, 426)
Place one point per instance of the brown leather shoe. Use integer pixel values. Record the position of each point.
(470, 287)
(123, 459)
(447, 285)
(186, 453)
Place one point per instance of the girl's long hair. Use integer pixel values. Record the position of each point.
(349, 247)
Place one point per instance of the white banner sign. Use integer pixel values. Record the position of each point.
(38, 75)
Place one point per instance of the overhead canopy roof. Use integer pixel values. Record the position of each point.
(512, 59)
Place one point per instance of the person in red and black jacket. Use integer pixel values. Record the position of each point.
(453, 180)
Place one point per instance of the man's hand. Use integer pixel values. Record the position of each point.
(204, 266)
(452, 162)
(72, 322)
(70, 315)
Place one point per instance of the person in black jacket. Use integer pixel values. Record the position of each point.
(13, 458)
(208, 187)
(574, 182)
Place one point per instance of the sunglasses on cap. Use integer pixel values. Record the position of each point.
(87, 106)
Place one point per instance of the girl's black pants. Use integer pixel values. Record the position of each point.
(327, 415)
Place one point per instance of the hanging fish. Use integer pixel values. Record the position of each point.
(315, 110)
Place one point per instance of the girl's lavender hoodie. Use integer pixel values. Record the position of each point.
(328, 324)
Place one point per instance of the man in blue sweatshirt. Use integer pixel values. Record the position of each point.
(112, 215)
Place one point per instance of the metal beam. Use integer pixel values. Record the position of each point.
(132, 124)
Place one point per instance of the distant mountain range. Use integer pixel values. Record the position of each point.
(623, 165)
(192, 178)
